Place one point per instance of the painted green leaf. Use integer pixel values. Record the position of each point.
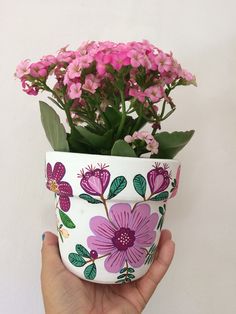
(67, 222)
(131, 276)
(160, 197)
(82, 251)
(121, 148)
(161, 210)
(130, 270)
(123, 270)
(89, 199)
(160, 223)
(90, 271)
(171, 143)
(121, 281)
(54, 129)
(117, 185)
(121, 276)
(76, 260)
(140, 184)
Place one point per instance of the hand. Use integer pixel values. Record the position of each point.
(64, 293)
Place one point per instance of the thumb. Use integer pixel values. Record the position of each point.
(51, 260)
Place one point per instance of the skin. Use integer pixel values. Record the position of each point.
(64, 293)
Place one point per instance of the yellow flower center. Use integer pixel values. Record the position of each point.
(53, 186)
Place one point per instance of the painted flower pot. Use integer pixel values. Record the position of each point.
(110, 211)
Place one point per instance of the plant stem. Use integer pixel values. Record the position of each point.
(105, 205)
(121, 126)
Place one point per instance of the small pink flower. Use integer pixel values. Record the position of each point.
(136, 58)
(85, 61)
(75, 90)
(38, 69)
(119, 59)
(125, 237)
(189, 77)
(164, 62)
(158, 178)
(128, 139)
(91, 83)
(49, 60)
(155, 93)
(74, 69)
(29, 89)
(152, 146)
(23, 68)
(95, 180)
(137, 93)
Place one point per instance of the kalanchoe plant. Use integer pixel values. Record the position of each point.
(109, 92)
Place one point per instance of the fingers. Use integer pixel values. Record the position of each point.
(50, 253)
(159, 267)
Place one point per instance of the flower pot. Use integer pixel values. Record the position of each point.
(110, 212)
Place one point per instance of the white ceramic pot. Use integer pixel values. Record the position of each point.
(110, 212)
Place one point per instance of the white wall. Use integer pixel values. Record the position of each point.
(202, 35)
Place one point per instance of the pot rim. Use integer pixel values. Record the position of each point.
(143, 159)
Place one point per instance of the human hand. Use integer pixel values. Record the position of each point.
(64, 293)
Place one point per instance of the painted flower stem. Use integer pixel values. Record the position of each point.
(105, 206)
(99, 257)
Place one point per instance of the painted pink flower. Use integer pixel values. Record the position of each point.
(174, 192)
(22, 68)
(155, 93)
(38, 69)
(158, 178)
(95, 180)
(56, 185)
(125, 237)
(75, 90)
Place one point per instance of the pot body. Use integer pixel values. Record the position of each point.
(110, 211)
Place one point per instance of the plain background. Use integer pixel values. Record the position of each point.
(202, 218)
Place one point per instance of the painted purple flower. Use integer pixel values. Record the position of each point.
(62, 188)
(125, 237)
(95, 180)
(158, 178)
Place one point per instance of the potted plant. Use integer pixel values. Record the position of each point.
(110, 177)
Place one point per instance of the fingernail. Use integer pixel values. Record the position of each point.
(43, 236)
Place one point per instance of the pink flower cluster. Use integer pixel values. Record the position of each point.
(152, 144)
(87, 69)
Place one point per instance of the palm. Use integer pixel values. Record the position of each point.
(65, 293)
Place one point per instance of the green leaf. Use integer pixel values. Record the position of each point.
(90, 271)
(54, 129)
(82, 251)
(140, 184)
(89, 199)
(163, 196)
(131, 276)
(120, 281)
(130, 270)
(123, 270)
(171, 143)
(117, 185)
(95, 140)
(76, 260)
(67, 222)
(121, 148)
(113, 116)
